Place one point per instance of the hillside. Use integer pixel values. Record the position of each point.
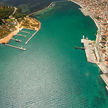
(5, 11)
(29, 6)
(8, 19)
(12, 19)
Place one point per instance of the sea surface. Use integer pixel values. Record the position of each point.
(51, 73)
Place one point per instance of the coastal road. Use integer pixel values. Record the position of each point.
(15, 9)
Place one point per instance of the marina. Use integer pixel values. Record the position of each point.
(21, 34)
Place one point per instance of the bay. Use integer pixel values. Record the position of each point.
(51, 73)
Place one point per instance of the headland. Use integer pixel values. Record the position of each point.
(13, 23)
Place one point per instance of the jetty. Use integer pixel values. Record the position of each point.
(82, 48)
(20, 35)
(31, 37)
(17, 47)
(105, 78)
(17, 40)
(89, 50)
(102, 67)
(25, 31)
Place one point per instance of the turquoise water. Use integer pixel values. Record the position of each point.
(25, 35)
(51, 73)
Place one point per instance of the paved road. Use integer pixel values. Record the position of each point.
(15, 9)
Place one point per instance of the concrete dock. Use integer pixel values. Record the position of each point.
(25, 31)
(105, 78)
(17, 47)
(20, 35)
(102, 67)
(30, 37)
(17, 40)
(89, 50)
(93, 56)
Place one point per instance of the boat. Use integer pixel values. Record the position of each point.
(82, 48)
(82, 40)
(107, 87)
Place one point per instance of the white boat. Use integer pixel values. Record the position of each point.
(83, 37)
(107, 87)
(82, 40)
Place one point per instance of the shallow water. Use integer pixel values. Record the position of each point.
(51, 73)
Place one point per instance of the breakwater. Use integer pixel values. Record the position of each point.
(31, 37)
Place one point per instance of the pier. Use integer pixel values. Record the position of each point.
(20, 35)
(30, 38)
(102, 67)
(89, 50)
(17, 47)
(82, 48)
(105, 78)
(16, 40)
(25, 31)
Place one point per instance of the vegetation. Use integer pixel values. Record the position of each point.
(5, 11)
(7, 24)
(97, 17)
(19, 14)
(9, 21)
(4, 32)
(30, 23)
(29, 6)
